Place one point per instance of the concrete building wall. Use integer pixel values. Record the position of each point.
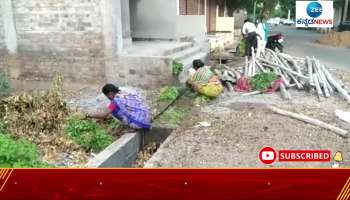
(2, 36)
(144, 72)
(153, 18)
(81, 38)
(58, 36)
(191, 26)
(2, 44)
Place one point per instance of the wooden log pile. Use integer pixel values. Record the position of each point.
(301, 73)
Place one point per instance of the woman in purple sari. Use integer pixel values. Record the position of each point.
(127, 108)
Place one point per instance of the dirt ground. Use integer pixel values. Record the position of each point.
(337, 39)
(238, 131)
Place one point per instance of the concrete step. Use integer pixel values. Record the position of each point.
(183, 46)
(186, 53)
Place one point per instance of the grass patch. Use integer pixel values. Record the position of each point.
(173, 116)
(88, 134)
(177, 68)
(168, 94)
(18, 153)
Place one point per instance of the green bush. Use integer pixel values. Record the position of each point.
(4, 86)
(18, 154)
(177, 68)
(168, 94)
(88, 134)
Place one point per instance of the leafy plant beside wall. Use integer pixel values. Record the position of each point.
(177, 68)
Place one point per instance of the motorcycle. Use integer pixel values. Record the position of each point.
(274, 42)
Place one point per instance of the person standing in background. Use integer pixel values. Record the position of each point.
(250, 35)
(262, 31)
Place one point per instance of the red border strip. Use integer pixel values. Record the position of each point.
(177, 184)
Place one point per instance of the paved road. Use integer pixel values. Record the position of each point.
(302, 43)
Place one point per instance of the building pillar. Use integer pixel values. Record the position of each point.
(118, 18)
(9, 26)
(112, 34)
(338, 16)
(346, 9)
(112, 26)
(125, 9)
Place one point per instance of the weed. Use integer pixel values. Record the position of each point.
(177, 68)
(168, 94)
(263, 81)
(4, 86)
(173, 116)
(18, 153)
(114, 124)
(88, 134)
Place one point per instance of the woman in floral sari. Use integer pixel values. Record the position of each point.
(204, 81)
(127, 108)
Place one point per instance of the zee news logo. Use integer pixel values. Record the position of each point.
(314, 14)
(268, 155)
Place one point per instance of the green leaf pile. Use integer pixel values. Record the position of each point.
(168, 94)
(177, 68)
(263, 81)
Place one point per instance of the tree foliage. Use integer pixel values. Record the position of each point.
(286, 5)
(264, 7)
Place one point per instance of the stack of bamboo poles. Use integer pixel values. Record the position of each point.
(301, 73)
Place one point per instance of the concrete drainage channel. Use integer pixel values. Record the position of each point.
(123, 152)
